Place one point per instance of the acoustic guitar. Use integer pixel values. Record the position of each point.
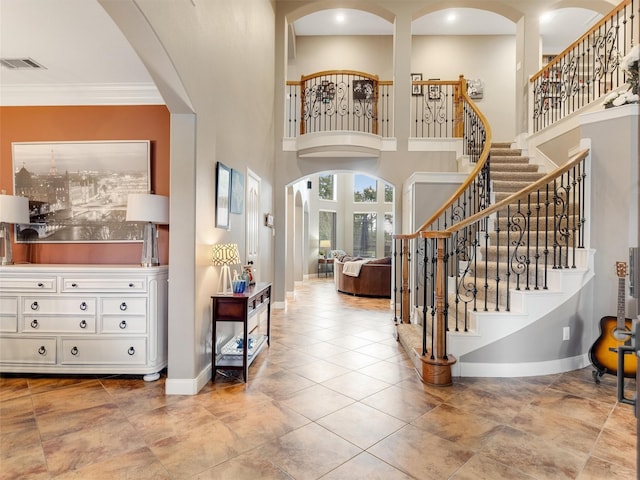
(614, 332)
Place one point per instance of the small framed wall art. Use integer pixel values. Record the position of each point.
(223, 193)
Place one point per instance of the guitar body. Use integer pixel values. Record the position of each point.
(615, 332)
(606, 361)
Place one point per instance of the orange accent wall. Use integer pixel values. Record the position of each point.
(87, 123)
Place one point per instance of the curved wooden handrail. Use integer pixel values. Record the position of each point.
(602, 21)
(474, 173)
(549, 177)
(304, 78)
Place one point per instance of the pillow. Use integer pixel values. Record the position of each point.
(336, 253)
(381, 261)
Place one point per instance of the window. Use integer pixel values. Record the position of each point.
(388, 193)
(327, 227)
(364, 234)
(326, 187)
(364, 189)
(388, 232)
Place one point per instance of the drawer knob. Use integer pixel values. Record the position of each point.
(34, 323)
(123, 306)
(131, 351)
(131, 285)
(35, 306)
(123, 324)
(74, 285)
(40, 284)
(42, 350)
(83, 324)
(74, 351)
(83, 306)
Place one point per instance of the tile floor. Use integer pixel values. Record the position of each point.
(334, 397)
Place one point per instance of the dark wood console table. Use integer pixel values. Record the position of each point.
(234, 352)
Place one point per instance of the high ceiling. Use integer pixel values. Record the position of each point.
(78, 44)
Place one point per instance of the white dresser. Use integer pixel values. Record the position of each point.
(105, 319)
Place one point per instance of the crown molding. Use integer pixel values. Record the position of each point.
(80, 94)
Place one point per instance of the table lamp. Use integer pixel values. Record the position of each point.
(325, 244)
(13, 209)
(225, 254)
(153, 210)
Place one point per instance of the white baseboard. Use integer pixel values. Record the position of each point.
(188, 386)
(465, 369)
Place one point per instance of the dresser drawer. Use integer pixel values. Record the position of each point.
(40, 350)
(17, 284)
(58, 305)
(59, 324)
(8, 323)
(102, 285)
(120, 324)
(103, 351)
(124, 306)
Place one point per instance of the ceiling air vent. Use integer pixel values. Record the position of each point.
(20, 63)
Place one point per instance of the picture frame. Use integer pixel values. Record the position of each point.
(78, 191)
(475, 89)
(416, 90)
(237, 191)
(223, 194)
(363, 90)
(434, 92)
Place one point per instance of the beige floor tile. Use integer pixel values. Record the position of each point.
(366, 467)
(316, 401)
(616, 447)
(421, 454)
(361, 425)
(458, 426)
(320, 371)
(13, 387)
(579, 408)
(403, 404)
(309, 452)
(50, 425)
(249, 466)
(388, 371)
(483, 468)
(356, 385)
(138, 464)
(597, 469)
(90, 445)
(76, 397)
(533, 455)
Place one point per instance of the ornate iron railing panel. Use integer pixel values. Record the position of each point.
(339, 101)
(588, 69)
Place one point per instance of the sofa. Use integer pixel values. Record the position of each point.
(372, 280)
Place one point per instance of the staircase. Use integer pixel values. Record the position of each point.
(520, 291)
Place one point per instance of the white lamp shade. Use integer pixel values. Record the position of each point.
(147, 207)
(225, 254)
(14, 209)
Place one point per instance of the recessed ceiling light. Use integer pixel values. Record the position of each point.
(451, 17)
(339, 17)
(545, 17)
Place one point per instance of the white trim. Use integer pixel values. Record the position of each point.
(188, 386)
(436, 145)
(80, 94)
(463, 369)
(632, 109)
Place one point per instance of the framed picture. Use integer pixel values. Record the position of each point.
(237, 191)
(78, 191)
(416, 90)
(475, 89)
(268, 220)
(434, 92)
(223, 193)
(363, 89)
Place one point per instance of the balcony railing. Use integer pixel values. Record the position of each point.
(339, 100)
(437, 108)
(586, 70)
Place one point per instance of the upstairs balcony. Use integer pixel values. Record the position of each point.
(350, 113)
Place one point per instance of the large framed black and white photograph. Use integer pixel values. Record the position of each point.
(416, 90)
(223, 194)
(78, 191)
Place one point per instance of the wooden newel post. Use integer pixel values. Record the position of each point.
(436, 365)
(458, 102)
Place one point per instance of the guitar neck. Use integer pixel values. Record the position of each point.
(621, 304)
